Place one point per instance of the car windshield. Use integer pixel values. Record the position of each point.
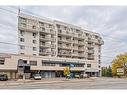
(37, 74)
(2, 75)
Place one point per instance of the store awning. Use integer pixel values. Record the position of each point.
(59, 62)
(91, 70)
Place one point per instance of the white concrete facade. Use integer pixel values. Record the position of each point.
(44, 39)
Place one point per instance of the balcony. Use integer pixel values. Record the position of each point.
(75, 48)
(81, 36)
(53, 46)
(90, 45)
(64, 40)
(64, 54)
(75, 42)
(24, 26)
(81, 55)
(75, 36)
(65, 47)
(64, 33)
(44, 38)
(90, 51)
(80, 49)
(44, 53)
(45, 45)
(75, 54)
(46, 31)
(90, 56)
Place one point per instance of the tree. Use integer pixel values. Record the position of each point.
(106, 71)
(109, 72)
(66, 71)
(118, 62)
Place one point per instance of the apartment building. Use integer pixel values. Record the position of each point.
(54, 45)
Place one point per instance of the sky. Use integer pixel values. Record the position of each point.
(109, 21)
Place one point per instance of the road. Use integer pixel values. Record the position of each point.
(97, 83)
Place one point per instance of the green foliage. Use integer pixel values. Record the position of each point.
(118, 63)
(66, 71)
(106, 71)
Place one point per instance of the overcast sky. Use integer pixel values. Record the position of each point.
(109, 21)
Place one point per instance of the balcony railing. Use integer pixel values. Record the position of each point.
(63, 32)
(90, 56)
(64, 53)
(90, 45)
(45, 45)
(48, 31)
(64, 47)
(75, 48)
(81, 55)
(81, 43)
(64, 40)
(75, 42)
(81, 49)
(90, 51)
(75, 54)
(44, 53)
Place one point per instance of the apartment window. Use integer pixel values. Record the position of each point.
(23, 25)
(43, 29)
(87, 34)
(33, 63)
(79, 65)
(34, 54)
(34, 35)
(34, 41)
(22, 32)
(25, 61)
(99, 56)
(51, 30)
(41, 24)
(99, 62)
(22, 19)
(2, 61)
(22, 53)
(22, 47)
(50, 26)
(96, 37)
(34, 48)
(58, 26)
(33, 27)
(60, 31)
(89, 65)
(22, 40)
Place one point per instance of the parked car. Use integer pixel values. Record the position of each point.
(3, 77)
(77, 76)
(84, 76)
(37, 77)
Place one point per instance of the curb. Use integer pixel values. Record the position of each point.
(48, 82)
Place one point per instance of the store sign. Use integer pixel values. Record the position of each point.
(125, 64)
(71, 65)
(120, 71)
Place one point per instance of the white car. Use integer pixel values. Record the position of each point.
(37, 77)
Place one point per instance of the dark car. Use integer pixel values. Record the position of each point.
(3, 77)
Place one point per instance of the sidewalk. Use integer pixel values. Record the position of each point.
(43, 81)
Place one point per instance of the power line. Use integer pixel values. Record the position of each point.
(34, 14)
(45, 17)
(8, 10)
